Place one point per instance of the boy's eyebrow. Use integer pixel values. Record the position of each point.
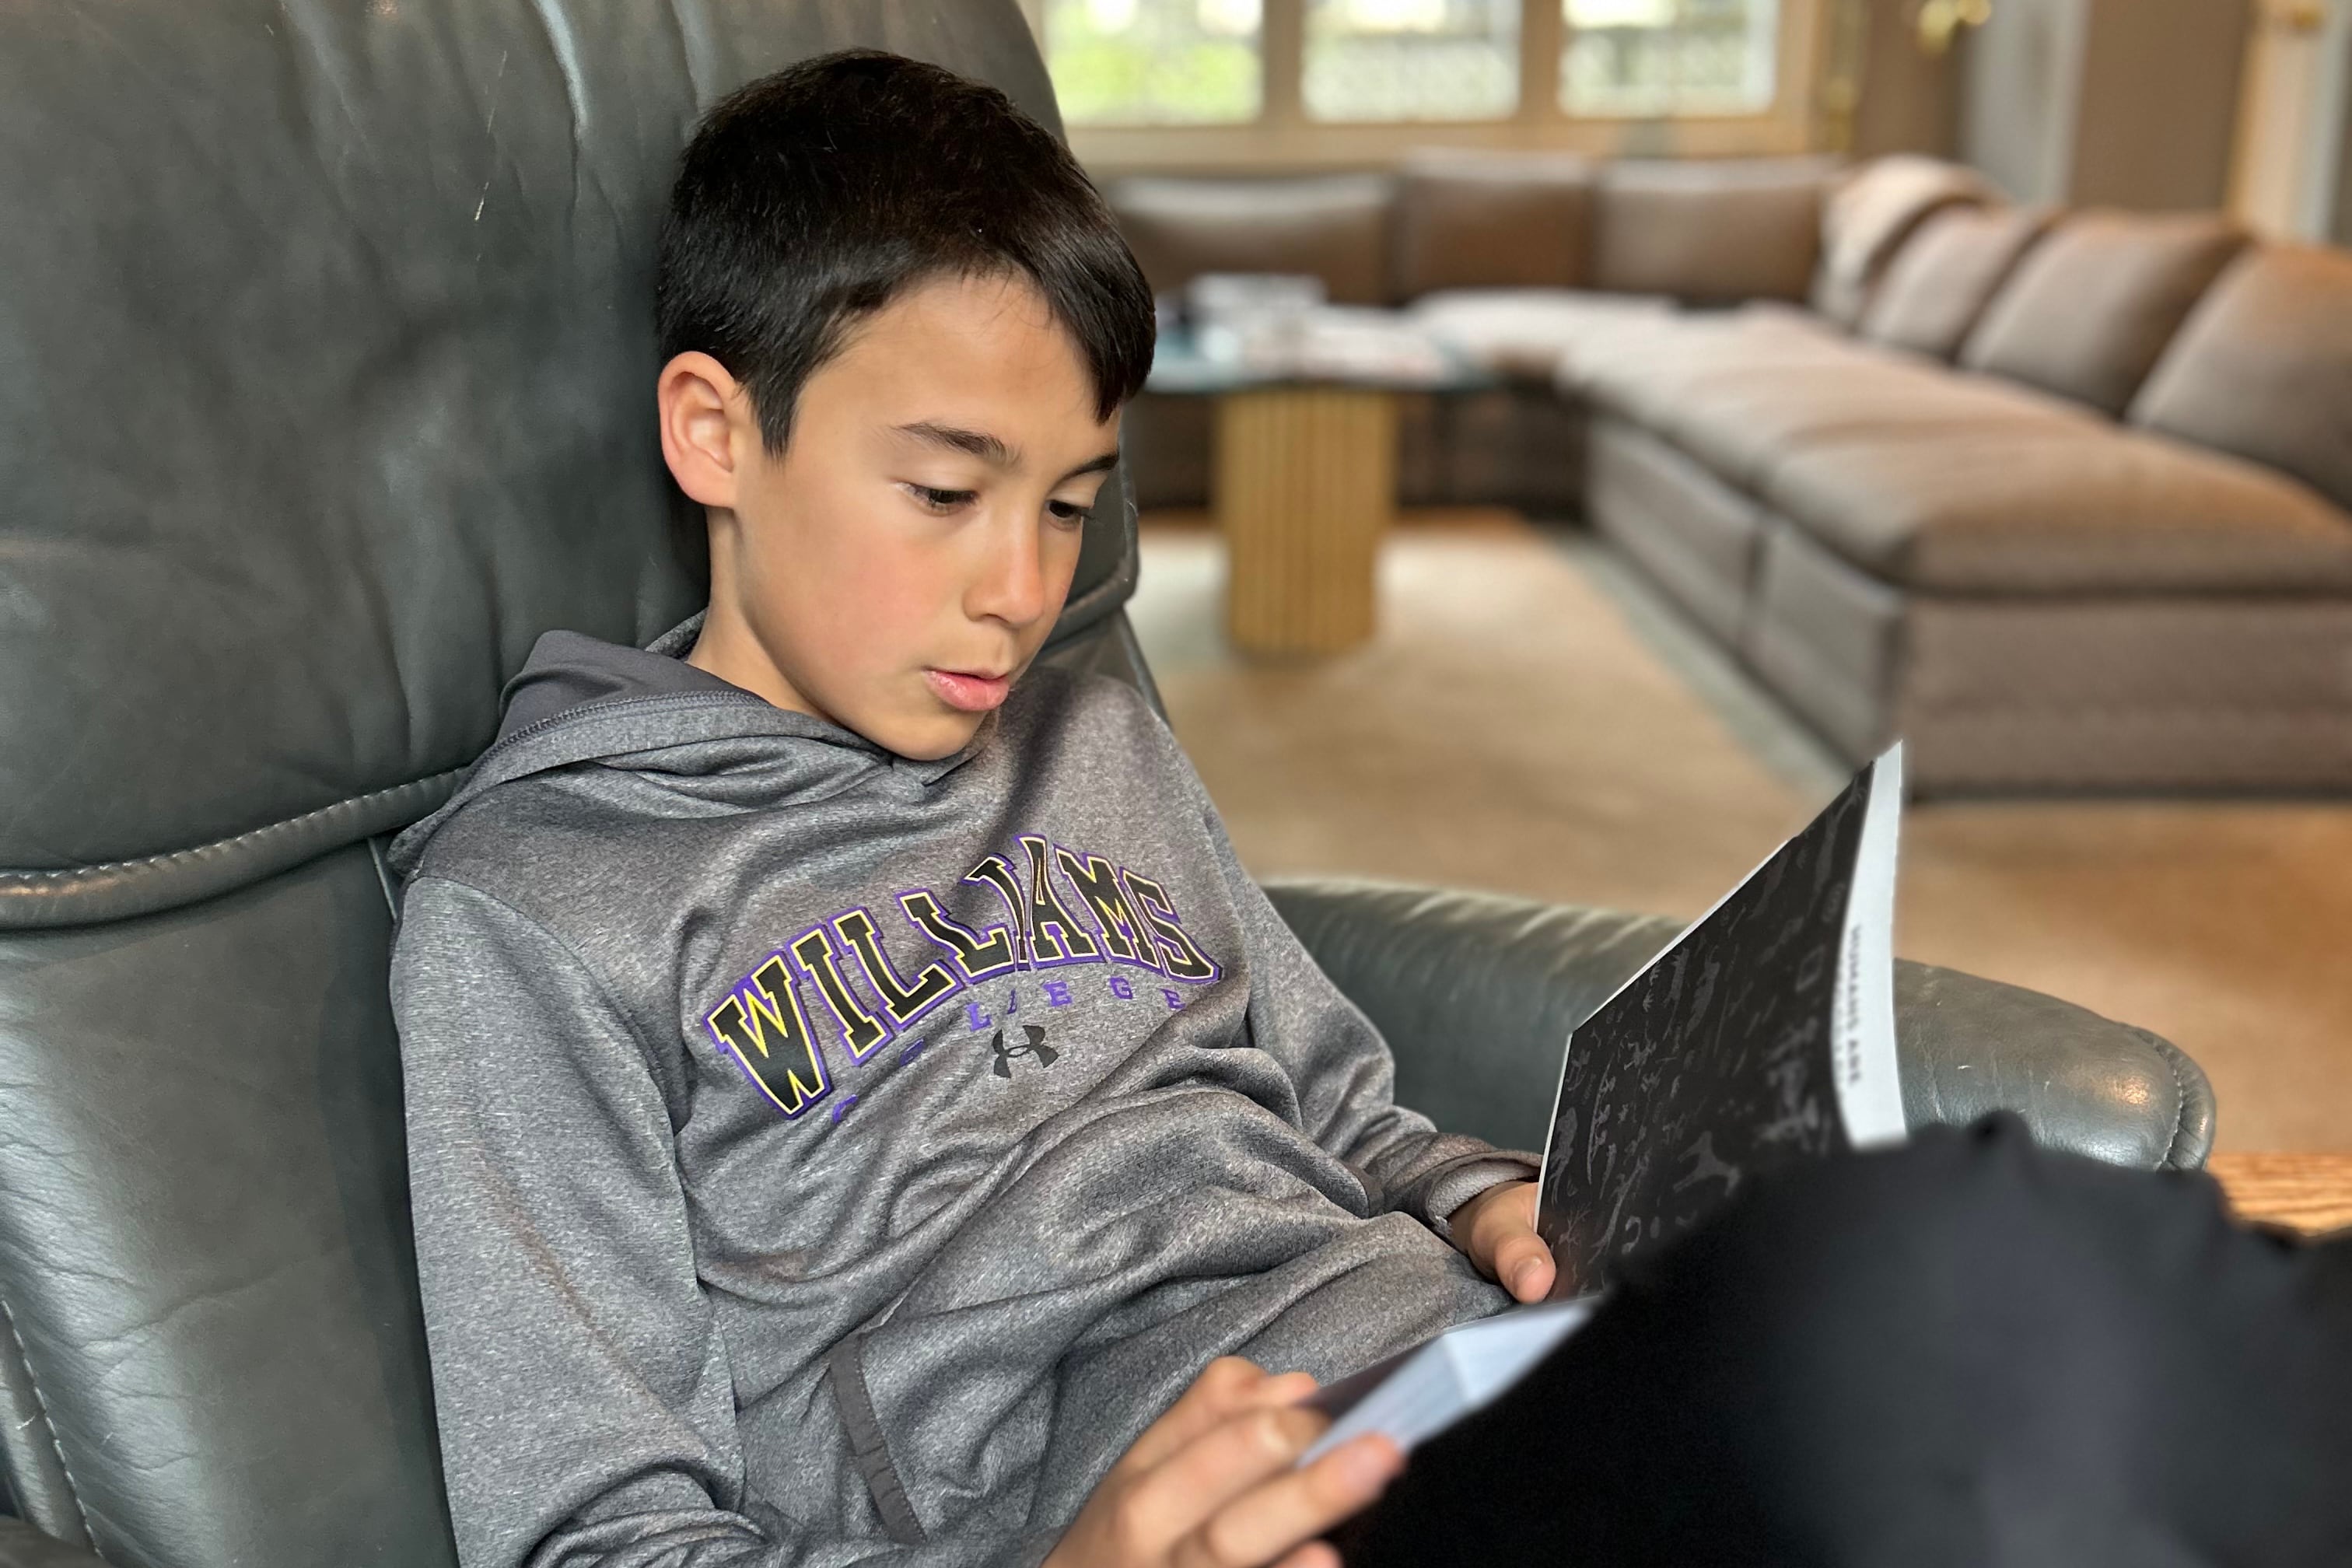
(992, 449)
(1101, 465)
(987, 448)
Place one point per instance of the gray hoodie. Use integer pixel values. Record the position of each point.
(823, 1157)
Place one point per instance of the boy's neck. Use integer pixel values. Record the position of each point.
(730, 650)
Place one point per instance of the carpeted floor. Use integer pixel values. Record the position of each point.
(1532, 719)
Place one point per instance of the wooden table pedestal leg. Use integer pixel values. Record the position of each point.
(1306, 484)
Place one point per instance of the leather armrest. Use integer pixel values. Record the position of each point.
(21, 1546)
(1475, 993)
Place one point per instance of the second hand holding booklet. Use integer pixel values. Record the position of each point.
(1763, 1035)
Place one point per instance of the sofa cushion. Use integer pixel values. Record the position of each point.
(1335, 226)
(1745, 422)
(1490, 220)
(1709, 232)
(1642, 367)
(1872, 213)
(2264, 367)
(2069, 508)
(1741, 390)
(1939, 282)
(2090, 307)
(1524, 331)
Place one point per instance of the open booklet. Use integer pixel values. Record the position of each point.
(1763, 1035)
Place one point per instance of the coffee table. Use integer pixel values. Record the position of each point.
(1305, 478)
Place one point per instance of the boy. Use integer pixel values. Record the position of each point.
(853, 1087)
(854, 1092)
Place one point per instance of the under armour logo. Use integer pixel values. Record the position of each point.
(1036, 1046)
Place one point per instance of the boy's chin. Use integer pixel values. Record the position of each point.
(926, 737)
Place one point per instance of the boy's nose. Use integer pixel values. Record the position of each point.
(1011, 586)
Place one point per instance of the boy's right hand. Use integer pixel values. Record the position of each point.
(1212, 1483)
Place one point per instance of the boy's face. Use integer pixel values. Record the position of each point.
(902, 561)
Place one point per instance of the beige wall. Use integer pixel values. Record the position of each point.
(2129, 103)
(1909, 99)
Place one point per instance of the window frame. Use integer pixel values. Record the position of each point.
(1284, 137)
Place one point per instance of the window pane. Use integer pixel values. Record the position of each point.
(1668, 57)
(1154, 62)
(1412, 59)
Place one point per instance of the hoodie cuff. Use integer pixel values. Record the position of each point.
(1456, 1182)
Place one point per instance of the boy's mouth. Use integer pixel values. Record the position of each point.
(967, 690)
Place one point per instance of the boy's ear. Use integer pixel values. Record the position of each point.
(705, 419)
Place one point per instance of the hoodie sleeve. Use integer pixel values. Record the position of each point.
(1341, 1067)
(586, 1402)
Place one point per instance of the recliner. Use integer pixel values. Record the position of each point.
(325, 375)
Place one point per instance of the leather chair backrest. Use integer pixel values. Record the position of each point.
(325, 373)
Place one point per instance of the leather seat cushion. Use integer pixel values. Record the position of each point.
(2089, 310)
(1524, 331)
(1468, 219)
(1871, 215)
(2264, 367)
(2067, 509)
(1711, 231)
(1336, 227)
(1939, 283)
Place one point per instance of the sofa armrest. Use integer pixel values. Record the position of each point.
(21, 1546)
(1475, 993)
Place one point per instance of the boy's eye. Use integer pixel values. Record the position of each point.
(932, 499)
(1066, 512)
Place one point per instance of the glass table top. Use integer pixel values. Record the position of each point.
(1328, 346)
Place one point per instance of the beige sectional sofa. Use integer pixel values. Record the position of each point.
(2065, 499)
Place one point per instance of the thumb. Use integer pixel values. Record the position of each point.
(1523, 1264)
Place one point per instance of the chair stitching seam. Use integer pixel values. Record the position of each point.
(2180, 1112)
(73, 1488)
(218, 846)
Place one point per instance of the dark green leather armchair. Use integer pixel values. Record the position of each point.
(325, 364)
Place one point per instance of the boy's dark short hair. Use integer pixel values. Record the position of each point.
(814, 196)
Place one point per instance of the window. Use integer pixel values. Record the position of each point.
(1155, 62)
(1667, 57)
(1308, 79)
(1412, 59)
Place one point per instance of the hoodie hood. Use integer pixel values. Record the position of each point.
(580, 700)
(568, 670)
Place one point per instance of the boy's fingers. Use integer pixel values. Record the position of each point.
(1314, 1554)
(1226, 1385)
(1280, 1515)
(1284, 1388)
(1188, 1489)
(1523, 1264)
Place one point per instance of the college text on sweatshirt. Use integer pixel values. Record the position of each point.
(836, 987)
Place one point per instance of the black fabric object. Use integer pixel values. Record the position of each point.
(1967, 1353)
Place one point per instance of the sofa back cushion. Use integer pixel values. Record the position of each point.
(1710, 233)
(1870, 215)
(1939, 283)
(1335, 226)
(2090, 307)
(1491, 220)
(2264, 367)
